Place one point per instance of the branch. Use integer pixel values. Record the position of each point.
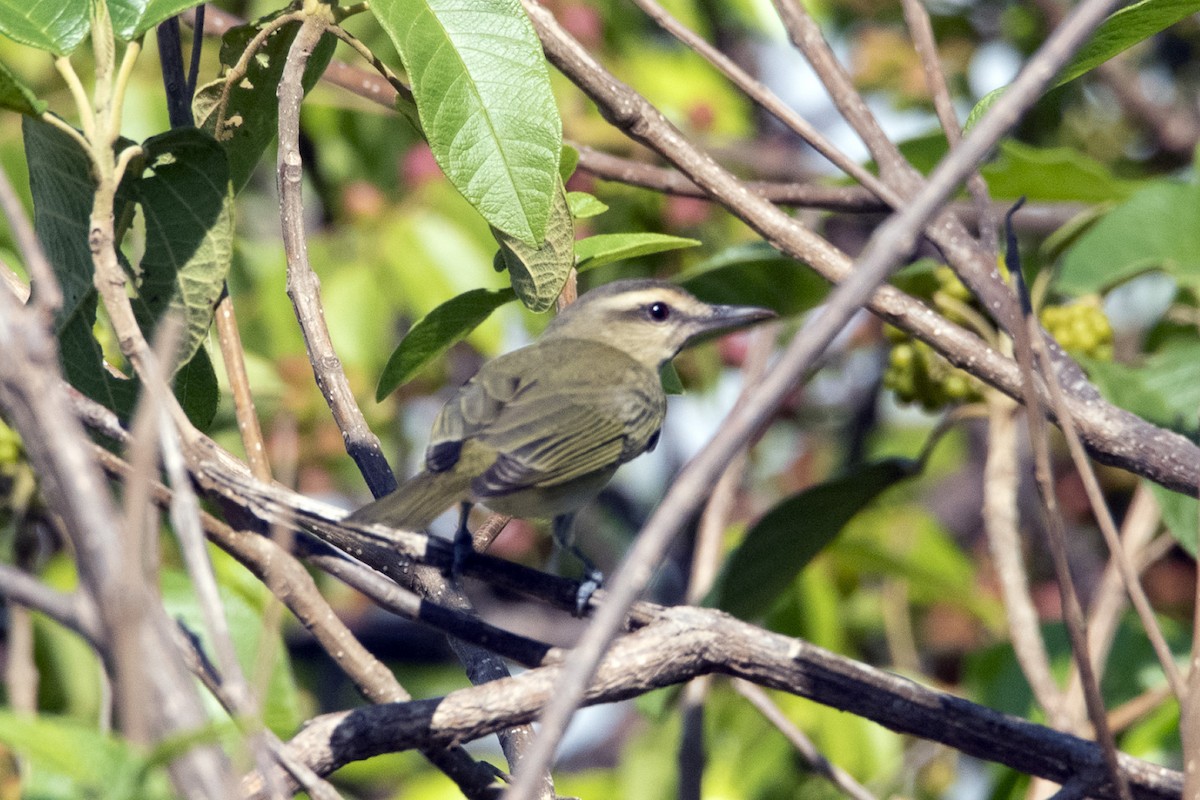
(303, 287)
(685, 642)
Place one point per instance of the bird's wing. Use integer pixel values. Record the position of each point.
(597, 421)
(584, 440)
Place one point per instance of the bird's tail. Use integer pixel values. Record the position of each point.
(417, 502)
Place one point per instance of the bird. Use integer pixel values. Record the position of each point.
(539, 431)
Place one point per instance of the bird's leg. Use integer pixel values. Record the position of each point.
(463, 545)
(592, 577)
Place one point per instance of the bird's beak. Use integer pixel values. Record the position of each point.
(724, 319)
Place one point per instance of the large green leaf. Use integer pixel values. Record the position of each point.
(605, 248)
(756, 275)
(65, 758)
(196, 388)
(54, 25)
(60, 180)
(1155, 229)
(483, 95)
(1053, 174)
(1122, 30)
(251, 118)
(789, 535)
(539, 272)
(62, 186)
(132, 18)
(281, 710)
(436, 332)
(1180, 514)
(187, 204)
(1165, 390)
(16, 96)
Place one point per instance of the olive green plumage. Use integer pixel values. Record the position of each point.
(539, 431)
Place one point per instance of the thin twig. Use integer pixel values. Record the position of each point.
(921, 29)
(1117, 553)
(74, 611)
(48, 298)
(1109, 600)
(304, 291)
(707, 555)
(1030, 346)
(770, 101)
(698, 476)
(1002, 526)
(32, 394)
(303, 287)
(289, 581)
(813, 757)
(218, 686)
(233, 355)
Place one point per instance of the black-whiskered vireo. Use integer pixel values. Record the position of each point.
(539, 431)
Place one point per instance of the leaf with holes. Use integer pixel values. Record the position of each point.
(250, 120)
(187, 204)
(60, 180)
(539, 273)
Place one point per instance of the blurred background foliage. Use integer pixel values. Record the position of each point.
(907, 584)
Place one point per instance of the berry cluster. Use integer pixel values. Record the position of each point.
(1080, 327)
(916, 373)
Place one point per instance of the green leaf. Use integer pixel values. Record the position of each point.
(483, 94)
(605, 248)
(1164, 389)
(584, 205)
(670, 379)
(1180, 514)
(756, 275)
(778, 547)
(567, 162)
(281, 710)
(539, 273)
(57, 26)
(251, 118)
(436, 332)
(16, 96)
(132, 18)
(1053, 174)
(187, 204)
(196, 388)
(1155, 229)
(96, 764)
(1122, 30)
(60, 180)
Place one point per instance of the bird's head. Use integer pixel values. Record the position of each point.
(648, 319)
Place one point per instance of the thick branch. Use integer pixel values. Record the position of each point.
(686, 642)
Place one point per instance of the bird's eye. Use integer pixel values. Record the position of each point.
(658, 311)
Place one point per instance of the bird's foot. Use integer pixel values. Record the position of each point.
(591, 582)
